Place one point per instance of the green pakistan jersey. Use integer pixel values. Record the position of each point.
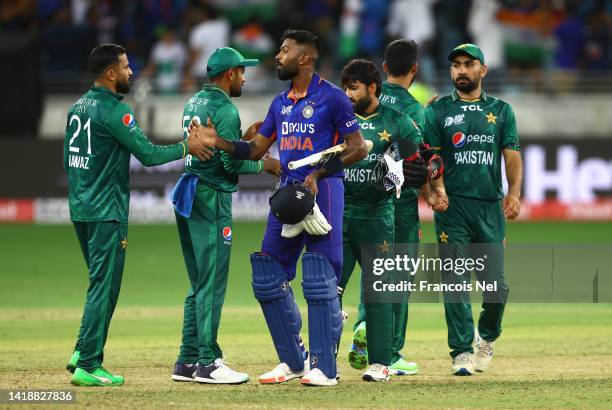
(470, 137)
(364, 195)
(221, 171)
(397, 97)
(101, 133)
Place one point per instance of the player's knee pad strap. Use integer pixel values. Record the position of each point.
(324, 314)
(282, 315)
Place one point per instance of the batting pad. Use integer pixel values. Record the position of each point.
(324, 314)
(282, 315)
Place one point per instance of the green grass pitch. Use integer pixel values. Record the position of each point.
(549, 355)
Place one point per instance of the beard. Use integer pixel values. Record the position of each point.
(285, 73)
(123, 87)
(236, 91)
(468, 86)
(361, 105)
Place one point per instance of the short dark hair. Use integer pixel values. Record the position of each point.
(400, 56)
(303, 37)
(363, 71)
(103, 56)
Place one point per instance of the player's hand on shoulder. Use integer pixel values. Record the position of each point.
(512, 206)
(431, 100)
(252, 131)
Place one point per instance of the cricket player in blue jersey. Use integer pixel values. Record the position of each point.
(311, 116)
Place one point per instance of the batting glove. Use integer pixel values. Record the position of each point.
(291, 231)
(315, 222)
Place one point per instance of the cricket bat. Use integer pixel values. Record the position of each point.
(323, 156)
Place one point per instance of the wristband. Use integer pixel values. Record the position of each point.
(261, 165)
(242, 149)
(333, 166)
(184, 144)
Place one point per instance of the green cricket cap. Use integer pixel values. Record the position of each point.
(469, 49)
(225, 58)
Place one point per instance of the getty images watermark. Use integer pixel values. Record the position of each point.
(492, 273)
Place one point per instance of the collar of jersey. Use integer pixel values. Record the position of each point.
(107, 91)
(399, 87)
(213, 87)
(455, 97)
(315, 81)
(374, 114)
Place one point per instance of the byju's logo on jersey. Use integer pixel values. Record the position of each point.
(286, 110)
(227, 233)
(454, 120)
(128, 120)
(459, 139)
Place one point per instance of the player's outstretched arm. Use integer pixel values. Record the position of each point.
(514, 174)
(254, 149)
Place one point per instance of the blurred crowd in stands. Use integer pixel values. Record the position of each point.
(169, 41)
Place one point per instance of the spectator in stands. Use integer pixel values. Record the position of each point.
(211, 31)
(596, 53)
(166, 63)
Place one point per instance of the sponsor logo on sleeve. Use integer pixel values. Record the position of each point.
(128, 120)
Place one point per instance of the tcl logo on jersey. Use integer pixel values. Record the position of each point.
(367, 126)
(459, 139)
(128, 120)
(471, 107)
(227, 233)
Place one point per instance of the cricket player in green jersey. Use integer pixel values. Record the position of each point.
(472, 131)
(203, 205)
(401, 67)
(369, 209)
(101, 134)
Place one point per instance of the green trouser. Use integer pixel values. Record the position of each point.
(206, 238)
(379, 332)
(103, 245)
(467, 221)
(407, 230)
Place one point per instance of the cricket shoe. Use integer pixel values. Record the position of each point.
(184, 372)
(316, 377)
(376, 373)
(358, 354)
(283, 373)
(72, 363)
(99, 377)
(463, 365)
(219, 373)
(403, 368)
(483, 354)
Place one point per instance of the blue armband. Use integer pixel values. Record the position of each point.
(242, 150)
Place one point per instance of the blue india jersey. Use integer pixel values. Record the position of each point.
(304, 125)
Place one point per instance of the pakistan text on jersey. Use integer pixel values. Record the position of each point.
(362, 175)
(78, 161)
(474, 157)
